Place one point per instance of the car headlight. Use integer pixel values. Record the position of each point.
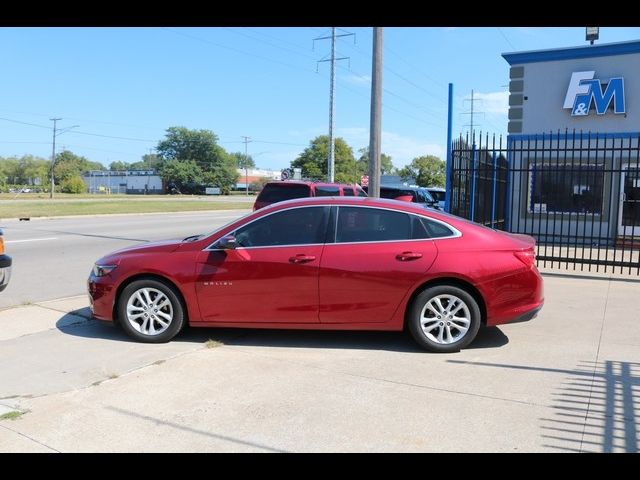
(102, 270)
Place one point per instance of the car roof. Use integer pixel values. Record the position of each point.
(308, 182)
(408, 207)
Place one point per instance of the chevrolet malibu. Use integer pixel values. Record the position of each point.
(325, 263)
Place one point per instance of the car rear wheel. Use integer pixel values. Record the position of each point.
(444, 319)
(150, 311)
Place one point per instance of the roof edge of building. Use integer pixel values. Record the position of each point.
(583, 51)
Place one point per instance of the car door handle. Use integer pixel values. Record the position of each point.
(302, 258)
(406, 256)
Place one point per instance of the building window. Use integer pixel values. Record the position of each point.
(566, 188)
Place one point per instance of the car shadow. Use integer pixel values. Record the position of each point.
(78, 323)
(491, 337)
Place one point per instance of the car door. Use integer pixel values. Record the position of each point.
(371, 263)
(272, 275)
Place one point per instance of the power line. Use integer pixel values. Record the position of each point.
(233, 49)
(268, 43)
(332, 98)
(80, 133)
(280, 143)
(278, 39)
(416, 69)
(402, 77)
(193, 37)
(115, 137)
(505, 37)
(25, 123)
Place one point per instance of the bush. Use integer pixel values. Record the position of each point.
(73, 185)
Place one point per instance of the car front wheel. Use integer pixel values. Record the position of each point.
(444, 318)
(150, 311)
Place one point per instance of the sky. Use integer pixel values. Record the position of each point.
(117, 90)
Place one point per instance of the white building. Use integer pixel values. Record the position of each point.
(255, 174)
(140, 182)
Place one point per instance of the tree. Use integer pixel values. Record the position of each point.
(313, 160)
(259, 184)
(68, 165)
(428, 171)
(73, 185)
(119, 166)
(198, 148)
(182, 174)
(149, 161)
(242, 162)
(386, 165)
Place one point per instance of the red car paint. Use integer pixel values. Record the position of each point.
(362, 285)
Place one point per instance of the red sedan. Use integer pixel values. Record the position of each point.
(326, 263)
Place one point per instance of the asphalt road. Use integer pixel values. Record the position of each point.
(52, 257)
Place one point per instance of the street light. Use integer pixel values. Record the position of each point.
(56, 132)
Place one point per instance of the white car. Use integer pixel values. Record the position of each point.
(438, 194)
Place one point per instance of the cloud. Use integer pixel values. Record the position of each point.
(307, 132)
(495, 103)
(360, 80)
(402, 149)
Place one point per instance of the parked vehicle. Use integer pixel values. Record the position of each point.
(5, 265)
(325, 263)
(438, 194)
(408, 194)
(287, 190)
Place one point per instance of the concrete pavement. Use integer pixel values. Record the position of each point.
(567, 381)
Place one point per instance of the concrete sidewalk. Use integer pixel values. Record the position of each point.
(567, 381)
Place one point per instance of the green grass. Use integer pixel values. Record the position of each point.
(49, 208)
(211, 343)
(14, 415)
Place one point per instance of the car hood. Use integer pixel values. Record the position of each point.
(149, 247)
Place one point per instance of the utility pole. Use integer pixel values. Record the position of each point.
(471, 114)
(332, 98)
(53, 155)
(375, 129)
(246, 172)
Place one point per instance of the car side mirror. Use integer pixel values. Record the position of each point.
(228, 242)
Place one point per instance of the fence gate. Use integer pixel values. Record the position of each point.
(577, 194)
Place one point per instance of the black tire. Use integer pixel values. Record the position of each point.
(449, 329)
(154, 288)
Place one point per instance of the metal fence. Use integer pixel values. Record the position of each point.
(577, 194)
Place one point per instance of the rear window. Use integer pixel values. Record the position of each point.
(326, 191)
(278, 192)
(438, 195)
(396, 192)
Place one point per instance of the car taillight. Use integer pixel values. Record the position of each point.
(528, 257)
(1, 245)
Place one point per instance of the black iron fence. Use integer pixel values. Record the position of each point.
(577, 193)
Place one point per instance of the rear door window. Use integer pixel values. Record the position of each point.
(327, 191)
(348, 191)
(356, 224)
